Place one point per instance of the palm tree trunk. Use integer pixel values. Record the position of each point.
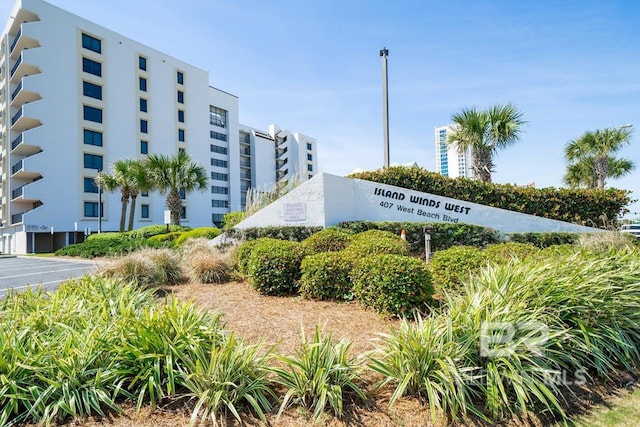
(482, 165)
(174, 204)
(123, 212)
(132, 212)
(601, 170)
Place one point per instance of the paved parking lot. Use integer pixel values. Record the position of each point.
(20, 272)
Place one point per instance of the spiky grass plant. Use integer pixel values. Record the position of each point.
(319, 375)
(147, 268)
(227, 378)
(607, 241)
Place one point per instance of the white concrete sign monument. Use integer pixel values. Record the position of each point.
(327, 200)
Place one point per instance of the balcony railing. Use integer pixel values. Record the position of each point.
(16, 65)
(17, 167)
(245, 164)
(15, 41)
(16, 142)
(15, 92)
(17, 192)
(16, 218)
(16, 117)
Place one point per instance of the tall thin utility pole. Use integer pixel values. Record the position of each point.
(385, 105)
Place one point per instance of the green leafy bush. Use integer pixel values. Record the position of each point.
(208, 232)
(153, 230)
(443, 235)
(166, 238)
(393, 284)
(274, 266)
(375, 242)
(319, 375)
(544, 240)
(108, 246)
(583, 206)
(330, 239)
(449, 268)
(244, 254)
(325, 276)
(296, 234)
(230, 219)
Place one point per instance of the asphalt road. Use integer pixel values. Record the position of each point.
(20, 272)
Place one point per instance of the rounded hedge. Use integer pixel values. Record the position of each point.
(371, 235)
(207, 232)
(330, 239)
(450, 267)
(375, 242)
(326, 276)
(274, 266)
(393, 285)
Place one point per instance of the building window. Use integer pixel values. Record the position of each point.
(217, 218)
(218, 149)
(91, 209)
(181, 116)
(144, 147)
(219, 163)
(180, 77)
(181, 97)
(181, 135)
(310, 168)
(144, 211)
(217, 116)
(91, 43)
(309, 146)
(144, 105)
(91, 90)
(220, 204)
(92, 161)
(183, 194)
(144, 126)
(219, 190)
(181, 151)
(219, 176)
(92, 137)
(90, 185)
(143, 84)
(217, 135)
(92, 114)
(310, 157)
(91, 67)
(142, 63)
(183, 213)
(310, 176)
(144, 194)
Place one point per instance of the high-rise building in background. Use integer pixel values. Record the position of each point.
(75, 97)
(449, 160)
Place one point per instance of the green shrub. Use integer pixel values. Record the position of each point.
(503, 252)
(319, 375)
(207, 232)
(392, 284)
(443, 235)
(293, 233)
(230, 219)
(244, 254)
(274, 266)
(544, 240)
(449, 268)
(325, 276)
(375, 242)
(109, 246)
(330, 239)
(153, 230)
(166, 238)
(114, 236)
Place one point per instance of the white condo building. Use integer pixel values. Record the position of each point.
(75, 97)
(449, 161)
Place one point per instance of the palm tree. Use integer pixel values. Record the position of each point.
(140, 182)
(591, 160)
(171, 175)
(485, 132)
(121, 177)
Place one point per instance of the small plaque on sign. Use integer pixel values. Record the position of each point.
(295, 211)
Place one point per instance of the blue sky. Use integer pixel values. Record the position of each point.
(314, 67)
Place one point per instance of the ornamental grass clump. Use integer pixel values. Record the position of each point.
(147, 268)
(205, 263)
(227, 378)
(320, 375)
